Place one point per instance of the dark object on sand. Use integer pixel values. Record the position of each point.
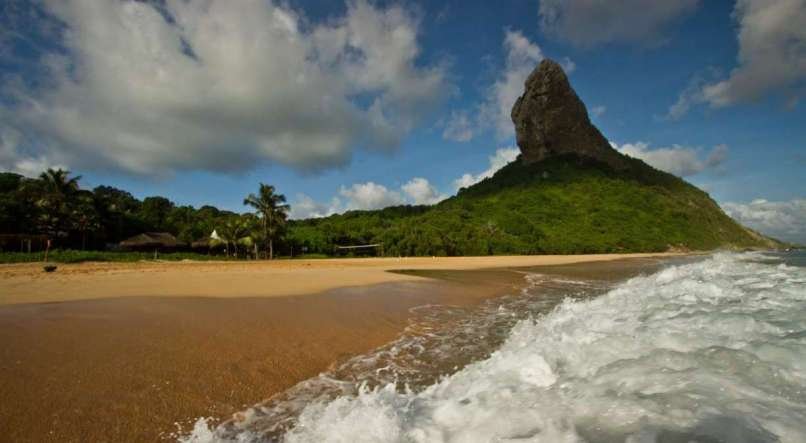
(49, 268)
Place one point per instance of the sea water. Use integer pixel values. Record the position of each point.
(709, 351)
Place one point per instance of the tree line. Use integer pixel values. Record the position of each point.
(55, 206)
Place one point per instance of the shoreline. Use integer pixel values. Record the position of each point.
(27, 283)
(140, 368)
(137, 368)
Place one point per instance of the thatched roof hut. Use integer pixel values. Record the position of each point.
(213, 241)
(200, 244)
(151, 240)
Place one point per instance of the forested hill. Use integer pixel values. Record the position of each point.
(561, 205)
(568, 192)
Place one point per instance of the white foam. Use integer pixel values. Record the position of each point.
(698, 352)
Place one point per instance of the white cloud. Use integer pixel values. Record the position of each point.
(690, 96)
(460, 127)
(501, 158)
(305, 207)
(366, 196)
(568, 65)
(589, 23)
(522, 57)
(222, 86)
(772, 58)
(772, 51)
(13, 160)
(369, 195)
(598, 111)
(678, 160)
(421, 192)
(784, 220)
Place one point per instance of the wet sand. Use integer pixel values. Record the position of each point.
(128, 368)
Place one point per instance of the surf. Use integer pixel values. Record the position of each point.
(706, 351)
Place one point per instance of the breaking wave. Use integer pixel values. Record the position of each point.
(711, 351)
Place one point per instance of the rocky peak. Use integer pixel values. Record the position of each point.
(551, 120)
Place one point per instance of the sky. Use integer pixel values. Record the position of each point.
(364, 104)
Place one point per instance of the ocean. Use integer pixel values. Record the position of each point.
(708, 350)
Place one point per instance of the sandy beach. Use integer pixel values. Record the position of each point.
(130, 352)
(27, 283)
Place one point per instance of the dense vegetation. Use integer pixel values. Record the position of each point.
(53, 206)
(562, 205)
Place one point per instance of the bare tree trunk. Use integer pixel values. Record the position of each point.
(271, 248)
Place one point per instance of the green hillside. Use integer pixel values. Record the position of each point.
(560, 205)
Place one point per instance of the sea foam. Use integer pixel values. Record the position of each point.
(710, 351)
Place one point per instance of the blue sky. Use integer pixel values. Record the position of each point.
(365, 104)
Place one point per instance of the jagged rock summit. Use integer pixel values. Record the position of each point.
(551, 120)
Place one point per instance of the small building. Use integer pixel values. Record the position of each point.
(213, 241)
(152, 241)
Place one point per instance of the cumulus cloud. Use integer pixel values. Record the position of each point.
(588, 23)
(501, 158)
(460, 127)
(369, 195)
(784, 220)
(522, 56)
(366, 196)
(221, 86)
(13, 159)
(421, 192)
(772, 52)
(678, 160)
(303, 206)
(771, 58)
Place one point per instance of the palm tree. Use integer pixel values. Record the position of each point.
(84, 216)
(58, 191)
(58, 182)
(256, 233)
(272, 210)
(234, 232)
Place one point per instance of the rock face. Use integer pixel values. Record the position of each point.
(551, 120)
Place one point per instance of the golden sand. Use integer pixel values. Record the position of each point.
(27, 283)
(121, 352)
